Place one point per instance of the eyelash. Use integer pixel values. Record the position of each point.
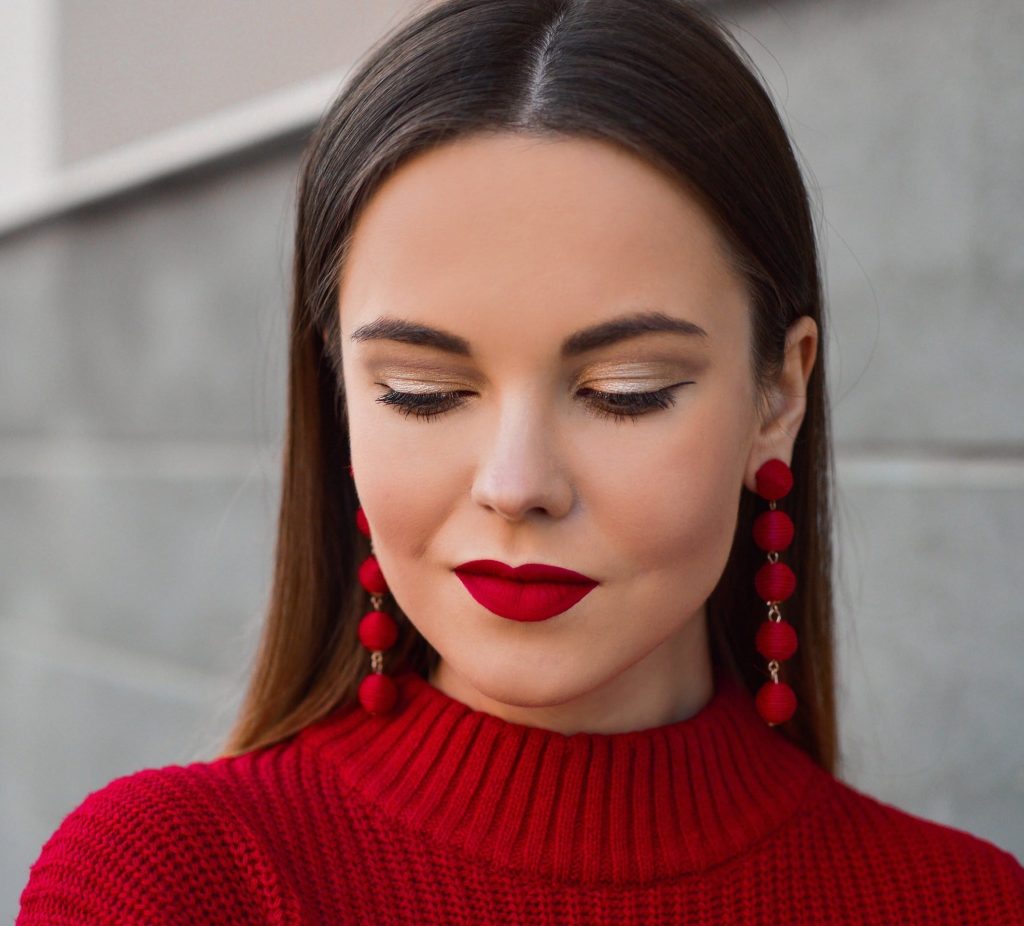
(634, 404)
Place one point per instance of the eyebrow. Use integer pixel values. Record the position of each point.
(608, 332)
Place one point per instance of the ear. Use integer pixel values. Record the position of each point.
(776, 434)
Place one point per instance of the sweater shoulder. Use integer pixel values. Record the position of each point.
(159, 845)
(916, 829)
(970, 878)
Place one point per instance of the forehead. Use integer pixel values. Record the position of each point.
(534, 231)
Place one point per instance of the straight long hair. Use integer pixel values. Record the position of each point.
(665, 80)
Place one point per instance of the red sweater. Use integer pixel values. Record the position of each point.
(442, 814)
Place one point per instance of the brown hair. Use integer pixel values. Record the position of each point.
(664, 79)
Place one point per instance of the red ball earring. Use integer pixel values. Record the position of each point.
(377, 630)
(775, 582)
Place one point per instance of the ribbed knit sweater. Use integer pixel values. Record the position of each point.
(439, 813)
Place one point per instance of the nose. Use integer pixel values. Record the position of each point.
(521, 469)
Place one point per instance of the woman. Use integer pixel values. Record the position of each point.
(550, 637)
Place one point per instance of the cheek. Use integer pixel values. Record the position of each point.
(691, 521)
(402, 522)
(392, 483)
(680, 507)
(403, 503)
(406, 504)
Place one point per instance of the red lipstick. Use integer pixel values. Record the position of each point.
(531, 592)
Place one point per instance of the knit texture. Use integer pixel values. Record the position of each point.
(441, 814)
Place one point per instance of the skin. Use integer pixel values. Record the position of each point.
(513, 243)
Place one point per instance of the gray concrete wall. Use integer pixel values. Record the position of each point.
(142, 390)
(132, 69)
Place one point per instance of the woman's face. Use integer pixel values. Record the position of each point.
(512, 247)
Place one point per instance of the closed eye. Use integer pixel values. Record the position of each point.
(617, 405)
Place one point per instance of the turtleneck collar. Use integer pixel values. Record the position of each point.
(624, 807)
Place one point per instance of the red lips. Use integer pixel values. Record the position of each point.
(531, 592)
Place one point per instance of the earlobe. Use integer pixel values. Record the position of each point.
(777, 434)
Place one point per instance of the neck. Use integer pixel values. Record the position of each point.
(671, 683)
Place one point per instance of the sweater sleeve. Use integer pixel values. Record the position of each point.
(153, 847)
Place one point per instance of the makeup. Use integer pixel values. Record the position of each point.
(531, 592)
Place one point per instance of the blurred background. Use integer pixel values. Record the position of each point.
(147, 172)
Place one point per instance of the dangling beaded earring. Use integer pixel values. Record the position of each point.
(377, 630)
(775, 582)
